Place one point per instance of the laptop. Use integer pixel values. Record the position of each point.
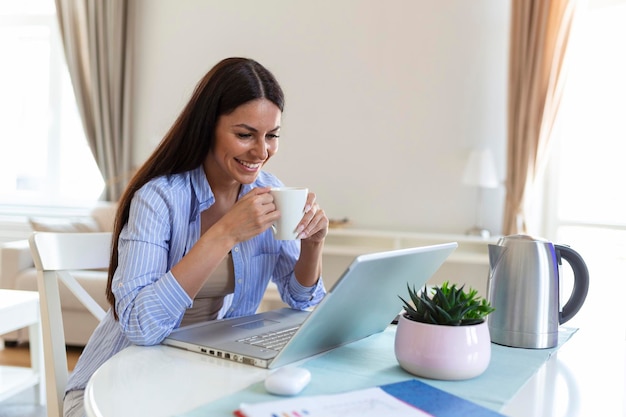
(362, 302)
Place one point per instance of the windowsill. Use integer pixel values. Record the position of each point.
(20, 211)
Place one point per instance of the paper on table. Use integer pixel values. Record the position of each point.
(370, 402)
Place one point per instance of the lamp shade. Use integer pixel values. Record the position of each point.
(481, 169)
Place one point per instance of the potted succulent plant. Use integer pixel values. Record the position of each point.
(442, 333)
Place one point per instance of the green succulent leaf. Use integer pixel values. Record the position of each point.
(446, 305)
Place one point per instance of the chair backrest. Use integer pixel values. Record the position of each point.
(55, 256)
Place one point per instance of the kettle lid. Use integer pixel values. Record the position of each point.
(519, 238)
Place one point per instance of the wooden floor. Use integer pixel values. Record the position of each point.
(22, 405)
(20, 356)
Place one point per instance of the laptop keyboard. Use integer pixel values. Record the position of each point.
(271, 340)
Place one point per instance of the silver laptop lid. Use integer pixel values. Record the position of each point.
(364, 300)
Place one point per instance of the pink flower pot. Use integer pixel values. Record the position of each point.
(442, 352)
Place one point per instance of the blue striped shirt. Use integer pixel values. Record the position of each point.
(164, 223)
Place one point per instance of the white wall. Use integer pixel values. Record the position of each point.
(385, 99)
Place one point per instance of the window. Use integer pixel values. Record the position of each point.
(44, 157)
(588, 170)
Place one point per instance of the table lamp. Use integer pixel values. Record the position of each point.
(480, 172)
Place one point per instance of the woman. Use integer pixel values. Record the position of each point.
(192, 238)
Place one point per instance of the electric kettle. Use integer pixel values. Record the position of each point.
(524, 289)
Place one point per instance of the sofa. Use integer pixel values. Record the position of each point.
(18, 272)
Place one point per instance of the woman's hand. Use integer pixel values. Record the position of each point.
(251, 215)
(314, 224)
(312, 229)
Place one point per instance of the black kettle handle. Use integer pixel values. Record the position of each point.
(581, 282)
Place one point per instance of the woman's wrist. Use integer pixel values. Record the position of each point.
(311, 245)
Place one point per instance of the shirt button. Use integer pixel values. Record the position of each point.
(239, 281)
(236, 248)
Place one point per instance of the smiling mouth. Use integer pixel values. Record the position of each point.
(248, 165)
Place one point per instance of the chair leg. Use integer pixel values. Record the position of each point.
(36, 361)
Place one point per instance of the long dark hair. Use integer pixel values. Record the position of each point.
(229, 84)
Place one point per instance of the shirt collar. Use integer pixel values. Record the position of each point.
(201, 188)
(203, 191)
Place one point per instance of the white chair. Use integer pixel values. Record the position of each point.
(55, 256)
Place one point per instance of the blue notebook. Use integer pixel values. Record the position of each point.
(435, 401)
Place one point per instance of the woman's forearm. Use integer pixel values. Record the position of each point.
(308, 268)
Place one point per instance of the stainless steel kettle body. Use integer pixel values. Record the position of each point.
(523, 287)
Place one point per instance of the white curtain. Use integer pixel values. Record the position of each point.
(540, 32)
(97, 41)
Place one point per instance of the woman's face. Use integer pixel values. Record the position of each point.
(244, 141)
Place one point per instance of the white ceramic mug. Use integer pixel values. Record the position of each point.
(290, 201)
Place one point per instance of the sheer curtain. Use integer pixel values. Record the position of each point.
(98, 46)
(540, 31)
